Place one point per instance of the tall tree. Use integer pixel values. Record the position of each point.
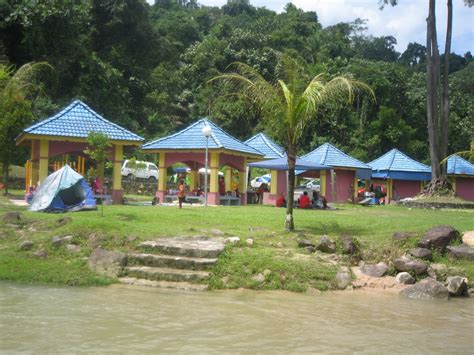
(16, 87)
(289, 103)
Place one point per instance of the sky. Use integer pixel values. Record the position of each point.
(406, 21)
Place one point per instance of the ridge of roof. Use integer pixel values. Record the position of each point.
(195, 140)
(269, 143)
(324, 150)
(70, 107)
(391, 157)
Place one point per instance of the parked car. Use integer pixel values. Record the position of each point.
(314, 185)
(255, 183)
(140, 169)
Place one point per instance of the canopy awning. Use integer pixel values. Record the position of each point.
(401, 175)
(282, 164)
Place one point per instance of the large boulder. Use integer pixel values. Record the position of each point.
(462, 251)
(457, 286)
(427, 289)
(106, 262)
(12, 217)
(374, 270)
(408, 264)
(438, 238)
(326, 245)
(421, 253)
(468, 238)
(348, 245)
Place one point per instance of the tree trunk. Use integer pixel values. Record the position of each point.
(432, 81)
(289, 223)
(444, 119)
(6, 177)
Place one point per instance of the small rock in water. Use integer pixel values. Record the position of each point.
(326, 245)
(232, 240)
(249, 242)
(26, 245)
(374, 270)
(73, 248)
(421, 253)
(405, 278)
(427, 289)
(457, 286)
(258, 278)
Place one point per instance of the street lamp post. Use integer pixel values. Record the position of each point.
(206, 131)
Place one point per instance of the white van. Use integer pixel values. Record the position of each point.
(140, 169)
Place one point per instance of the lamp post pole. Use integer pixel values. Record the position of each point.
(206, 131)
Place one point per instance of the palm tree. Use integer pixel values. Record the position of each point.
(16, 87)
(289, 103)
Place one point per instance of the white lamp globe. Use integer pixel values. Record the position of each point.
(207, 130)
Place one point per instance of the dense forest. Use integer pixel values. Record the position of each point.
(147, 67)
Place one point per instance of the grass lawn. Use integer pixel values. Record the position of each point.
(123, 227)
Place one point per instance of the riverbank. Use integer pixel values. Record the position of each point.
(272, 260)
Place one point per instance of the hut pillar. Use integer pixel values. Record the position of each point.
(193, 179)
(322, 183)
(228, 178)
(117, 191)
(162, 177)
(243, 183)
(43, 160)
(34, 177)
(213, 195)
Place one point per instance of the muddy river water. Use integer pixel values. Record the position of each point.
(118, 318)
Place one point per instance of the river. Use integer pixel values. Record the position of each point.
(58, 319)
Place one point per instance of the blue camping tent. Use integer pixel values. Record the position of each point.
(63, 190)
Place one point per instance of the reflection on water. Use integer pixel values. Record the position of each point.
(47, 319)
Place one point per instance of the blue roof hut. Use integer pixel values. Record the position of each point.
(189, 145)
(402, 175)
(340, 185)
(461, 174)
(66, 133)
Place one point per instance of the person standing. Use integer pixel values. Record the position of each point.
(181, 193)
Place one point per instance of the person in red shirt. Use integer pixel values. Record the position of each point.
(304, 201)
(280, 202)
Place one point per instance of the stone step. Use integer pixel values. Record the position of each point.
(169, 261)
(185, 286)
(164, 274)
(194, 247)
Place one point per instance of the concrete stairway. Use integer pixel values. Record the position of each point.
(179, 263)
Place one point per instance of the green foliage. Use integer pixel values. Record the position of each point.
(98, 149)
(146, 67)
(16, 87)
